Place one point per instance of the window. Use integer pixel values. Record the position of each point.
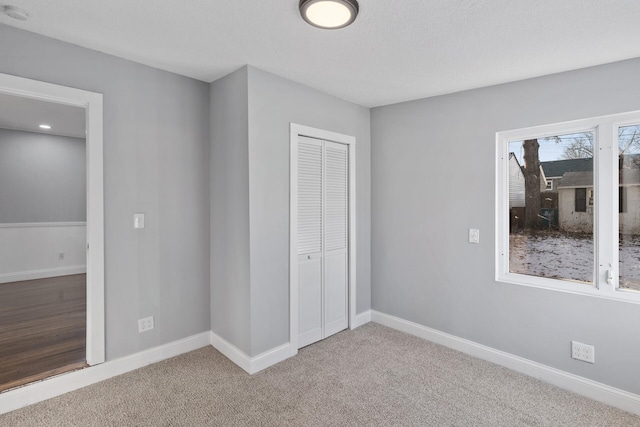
(575, 235)
(622, 199)
(581, 200)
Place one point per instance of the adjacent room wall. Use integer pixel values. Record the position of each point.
(33, 250)
(433, 164)
(230, 279)
(42, 205)
(42, 178)
(275, 102)
(156, 161)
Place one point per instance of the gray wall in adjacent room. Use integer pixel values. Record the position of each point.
(156, 161)
(274, 102)
(42, 178)
(434, 168)
(230, 310)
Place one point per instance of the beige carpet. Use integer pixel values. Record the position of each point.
(371, 376)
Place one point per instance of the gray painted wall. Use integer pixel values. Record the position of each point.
(274, 102)
(423, 268)
(42, 178)
(156, 161)
(230, 310)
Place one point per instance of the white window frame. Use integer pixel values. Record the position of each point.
(605, 208)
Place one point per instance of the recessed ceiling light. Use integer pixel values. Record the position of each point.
(329, 14)
(44, 126)
(15, 13)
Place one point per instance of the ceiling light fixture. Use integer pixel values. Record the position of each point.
(329, 14)
(15, 13)
(44, 126)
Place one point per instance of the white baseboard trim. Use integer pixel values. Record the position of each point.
(61, 384)
(250, 365)
(594, 390)
(270, 358)
(42, 274)
(231, 352)
(361, 319)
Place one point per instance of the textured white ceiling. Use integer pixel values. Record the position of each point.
(20, 113)
(396, 50)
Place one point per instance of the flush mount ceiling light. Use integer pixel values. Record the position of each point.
(15, 13)
(43, 126)
(329, 14)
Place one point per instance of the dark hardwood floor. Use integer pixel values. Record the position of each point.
(42, 328)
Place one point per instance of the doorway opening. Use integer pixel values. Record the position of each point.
(51, 230)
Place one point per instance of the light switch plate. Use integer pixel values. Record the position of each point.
(138, 220)
(474, 235)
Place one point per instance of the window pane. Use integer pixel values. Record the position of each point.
(629, 206)
(551, 202)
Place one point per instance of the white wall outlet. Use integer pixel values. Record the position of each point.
(474, 235)
(60, 256)
(584, 352)
(145, 324)
(138, 220)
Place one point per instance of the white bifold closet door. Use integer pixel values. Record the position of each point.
(323, 256)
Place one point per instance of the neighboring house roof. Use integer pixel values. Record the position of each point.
(558, 168)
(576, 180)
(585, 179)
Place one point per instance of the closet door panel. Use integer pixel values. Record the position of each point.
(310, 234)
(309, 196)
(335, 238)
(335, 291)
(310, 298)
(323, 260)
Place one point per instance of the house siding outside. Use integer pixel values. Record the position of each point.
(516, 183)
(582, 222)
(630, 220)
(569, 219)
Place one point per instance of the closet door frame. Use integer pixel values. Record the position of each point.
(297, 130)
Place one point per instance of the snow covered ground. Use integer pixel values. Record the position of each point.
(563, 256)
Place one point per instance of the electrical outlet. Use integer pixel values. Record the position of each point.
(584, 352)
(60, 256)
(474, 235)
(145, 324)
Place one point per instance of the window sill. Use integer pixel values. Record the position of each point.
(579, 288)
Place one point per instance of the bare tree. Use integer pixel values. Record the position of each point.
(580, 145)
(628, 139)
(531, 183)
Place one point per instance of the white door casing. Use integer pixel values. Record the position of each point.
(92, 104)
(310, 262)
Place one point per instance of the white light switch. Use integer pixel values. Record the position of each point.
(474, 235)
(138, 220)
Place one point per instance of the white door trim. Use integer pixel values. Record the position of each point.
(92, 103)
(297, 130)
